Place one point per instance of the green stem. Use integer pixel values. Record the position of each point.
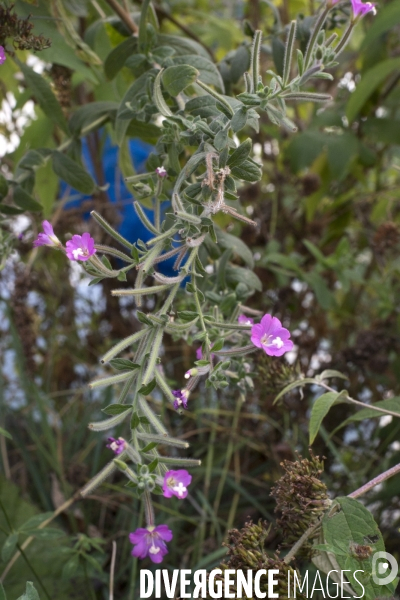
(88, 584)
(153, 356)
(314, 36)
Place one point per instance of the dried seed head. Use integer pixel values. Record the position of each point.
(246, 550)
(301, 497)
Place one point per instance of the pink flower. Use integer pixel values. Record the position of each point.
(199, 353)
(175, 484)
(48, 238)
(117, 446)
(151, 542)
(243, 320)
(181, 398)
(81, 247)
(161, 172)
(2, 55)
(360, 8)
(271, 336)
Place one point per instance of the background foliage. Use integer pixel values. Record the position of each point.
(325, 250)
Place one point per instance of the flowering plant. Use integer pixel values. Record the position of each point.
(193, 180)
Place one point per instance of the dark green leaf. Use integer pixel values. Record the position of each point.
(135, 421)
(30, 592)
(44, 96)
(239, 63)
(240, 154)
(247, 171)
(115, 409)
(72, 173)
(123, 364)
(9, 547)
(35, 521)
(47, 533)
(371, 79)
(207, 69)
(118, 56)
(25, 200)
(148, 388)
(3, 187)
(5, 433)
(239, 119)
(89, 113)
(320, 409)
(176, 79)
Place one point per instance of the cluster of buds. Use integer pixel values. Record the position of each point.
(301, 498)
(246, 551)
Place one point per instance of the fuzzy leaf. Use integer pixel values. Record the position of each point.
(176, 79)
(240, 154)
(44, 96)
(247, 171)
(72, 173)
(320, 409)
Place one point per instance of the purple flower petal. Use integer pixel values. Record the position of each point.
(271, 336)
(244, 320)
(175, 484)
(2, 55)
(80, 247)
(362, 8)
(151, 542)
(48, 238)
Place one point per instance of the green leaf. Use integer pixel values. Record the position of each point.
(47, 533)
(240, 154)
(114, 409)
(176, 79)
(371, 79)
(182, 45)
(44, 96)
(207, 69)
(35, 521)
(247, 171)
(241, 275)
(5, 433)
(349, 523)
(70, 568)
(89, 113)
(118, 56)
(122, 364)
(239, 63)
(72, 173)
(387, 18)
(135, 421)
(148, 388)
(3, 187)
(239, 119)
(227, 240)
(392, 404)
(30, 592)
(2, 593)
(328, 373)
(9, 547)
(292, 386)
(320, 409)
(25, 200)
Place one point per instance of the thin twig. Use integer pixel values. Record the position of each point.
(112, 569)
(124, 16)
(376, 481)
(356, 494)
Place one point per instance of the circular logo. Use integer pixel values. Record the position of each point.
(384, 568)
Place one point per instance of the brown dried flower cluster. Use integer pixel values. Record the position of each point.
(301, 498)
(20, 30)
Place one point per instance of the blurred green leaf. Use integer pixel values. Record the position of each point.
(72, 173)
